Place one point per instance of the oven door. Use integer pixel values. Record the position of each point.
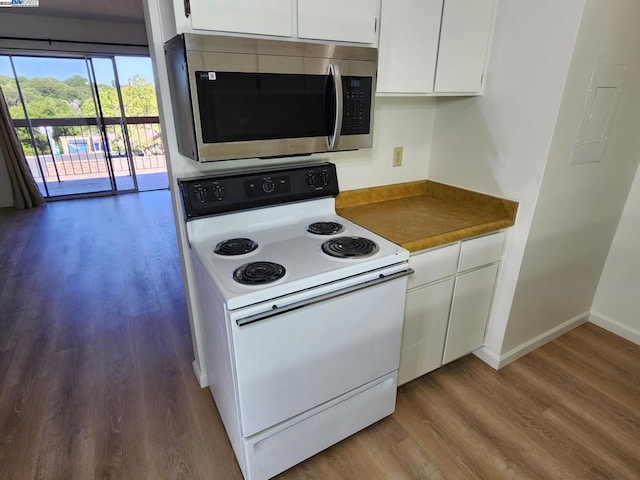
(291, 361)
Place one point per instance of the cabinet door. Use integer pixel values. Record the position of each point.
(408, 47)
(425, 327)
(464, 44)
(266, 17)
(470, 309)
(341, 20)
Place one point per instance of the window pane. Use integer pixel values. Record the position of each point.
(55, 87)
(137, 84)
(9, 88)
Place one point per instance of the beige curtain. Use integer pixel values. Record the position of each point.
(23, 186)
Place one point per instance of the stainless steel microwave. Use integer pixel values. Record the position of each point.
(245, 98)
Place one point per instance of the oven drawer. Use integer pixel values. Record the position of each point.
(277, 449)
(291, 362)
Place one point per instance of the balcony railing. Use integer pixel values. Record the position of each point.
(72, 149)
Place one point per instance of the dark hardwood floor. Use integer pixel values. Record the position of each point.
(96, 380)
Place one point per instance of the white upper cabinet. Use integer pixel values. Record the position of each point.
(265, 17)
(434, 46)
(409, 31)
(340, 20)
(353, 21)
(464, 43)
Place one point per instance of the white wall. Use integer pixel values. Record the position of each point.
(23, 25)
(617, 306)
(6, 199)
(579, 206)
(397, 122)
(499, 143)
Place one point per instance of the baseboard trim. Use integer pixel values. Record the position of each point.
(203, 379)
(615, 327)
(489, 357)
(497, 362)
(6, 203)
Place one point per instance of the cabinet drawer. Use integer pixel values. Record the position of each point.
(481, 251)
(432, 265)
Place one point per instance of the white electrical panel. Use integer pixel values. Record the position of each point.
(598, 113)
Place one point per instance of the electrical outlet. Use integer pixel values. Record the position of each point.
(397, 156)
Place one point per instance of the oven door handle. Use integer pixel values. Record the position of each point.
(334, 138)
(321, 298)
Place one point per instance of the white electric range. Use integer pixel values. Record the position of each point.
(301, 312)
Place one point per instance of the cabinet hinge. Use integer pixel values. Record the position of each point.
(187, 8)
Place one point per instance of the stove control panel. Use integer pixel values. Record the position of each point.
(318, 180)
(219, 192)
(242, 190)
(201, 194)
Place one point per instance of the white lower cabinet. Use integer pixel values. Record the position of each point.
(472, 295)
(425, 329)
(448, 303)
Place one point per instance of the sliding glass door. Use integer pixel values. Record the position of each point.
(112, 123)
(69, 113)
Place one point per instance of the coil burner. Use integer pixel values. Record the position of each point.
(325, 228)
(235, 246)
(258, 273)
(349, 247)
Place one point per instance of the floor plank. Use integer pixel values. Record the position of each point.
(96, 378)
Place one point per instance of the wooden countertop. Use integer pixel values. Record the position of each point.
(425, 214)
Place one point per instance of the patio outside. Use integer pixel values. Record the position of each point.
(81, 130)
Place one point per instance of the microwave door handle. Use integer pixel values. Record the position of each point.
(334, 138)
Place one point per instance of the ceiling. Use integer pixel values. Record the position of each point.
(111, 10)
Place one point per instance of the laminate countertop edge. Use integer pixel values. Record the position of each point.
(425, 214)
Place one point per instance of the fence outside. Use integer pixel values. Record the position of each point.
(73, 148)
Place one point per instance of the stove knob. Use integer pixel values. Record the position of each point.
(268, 186)
(311, 180)
(325, 177)
(219, 192)
(201, 194)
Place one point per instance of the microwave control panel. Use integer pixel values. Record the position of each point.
(356, 115)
